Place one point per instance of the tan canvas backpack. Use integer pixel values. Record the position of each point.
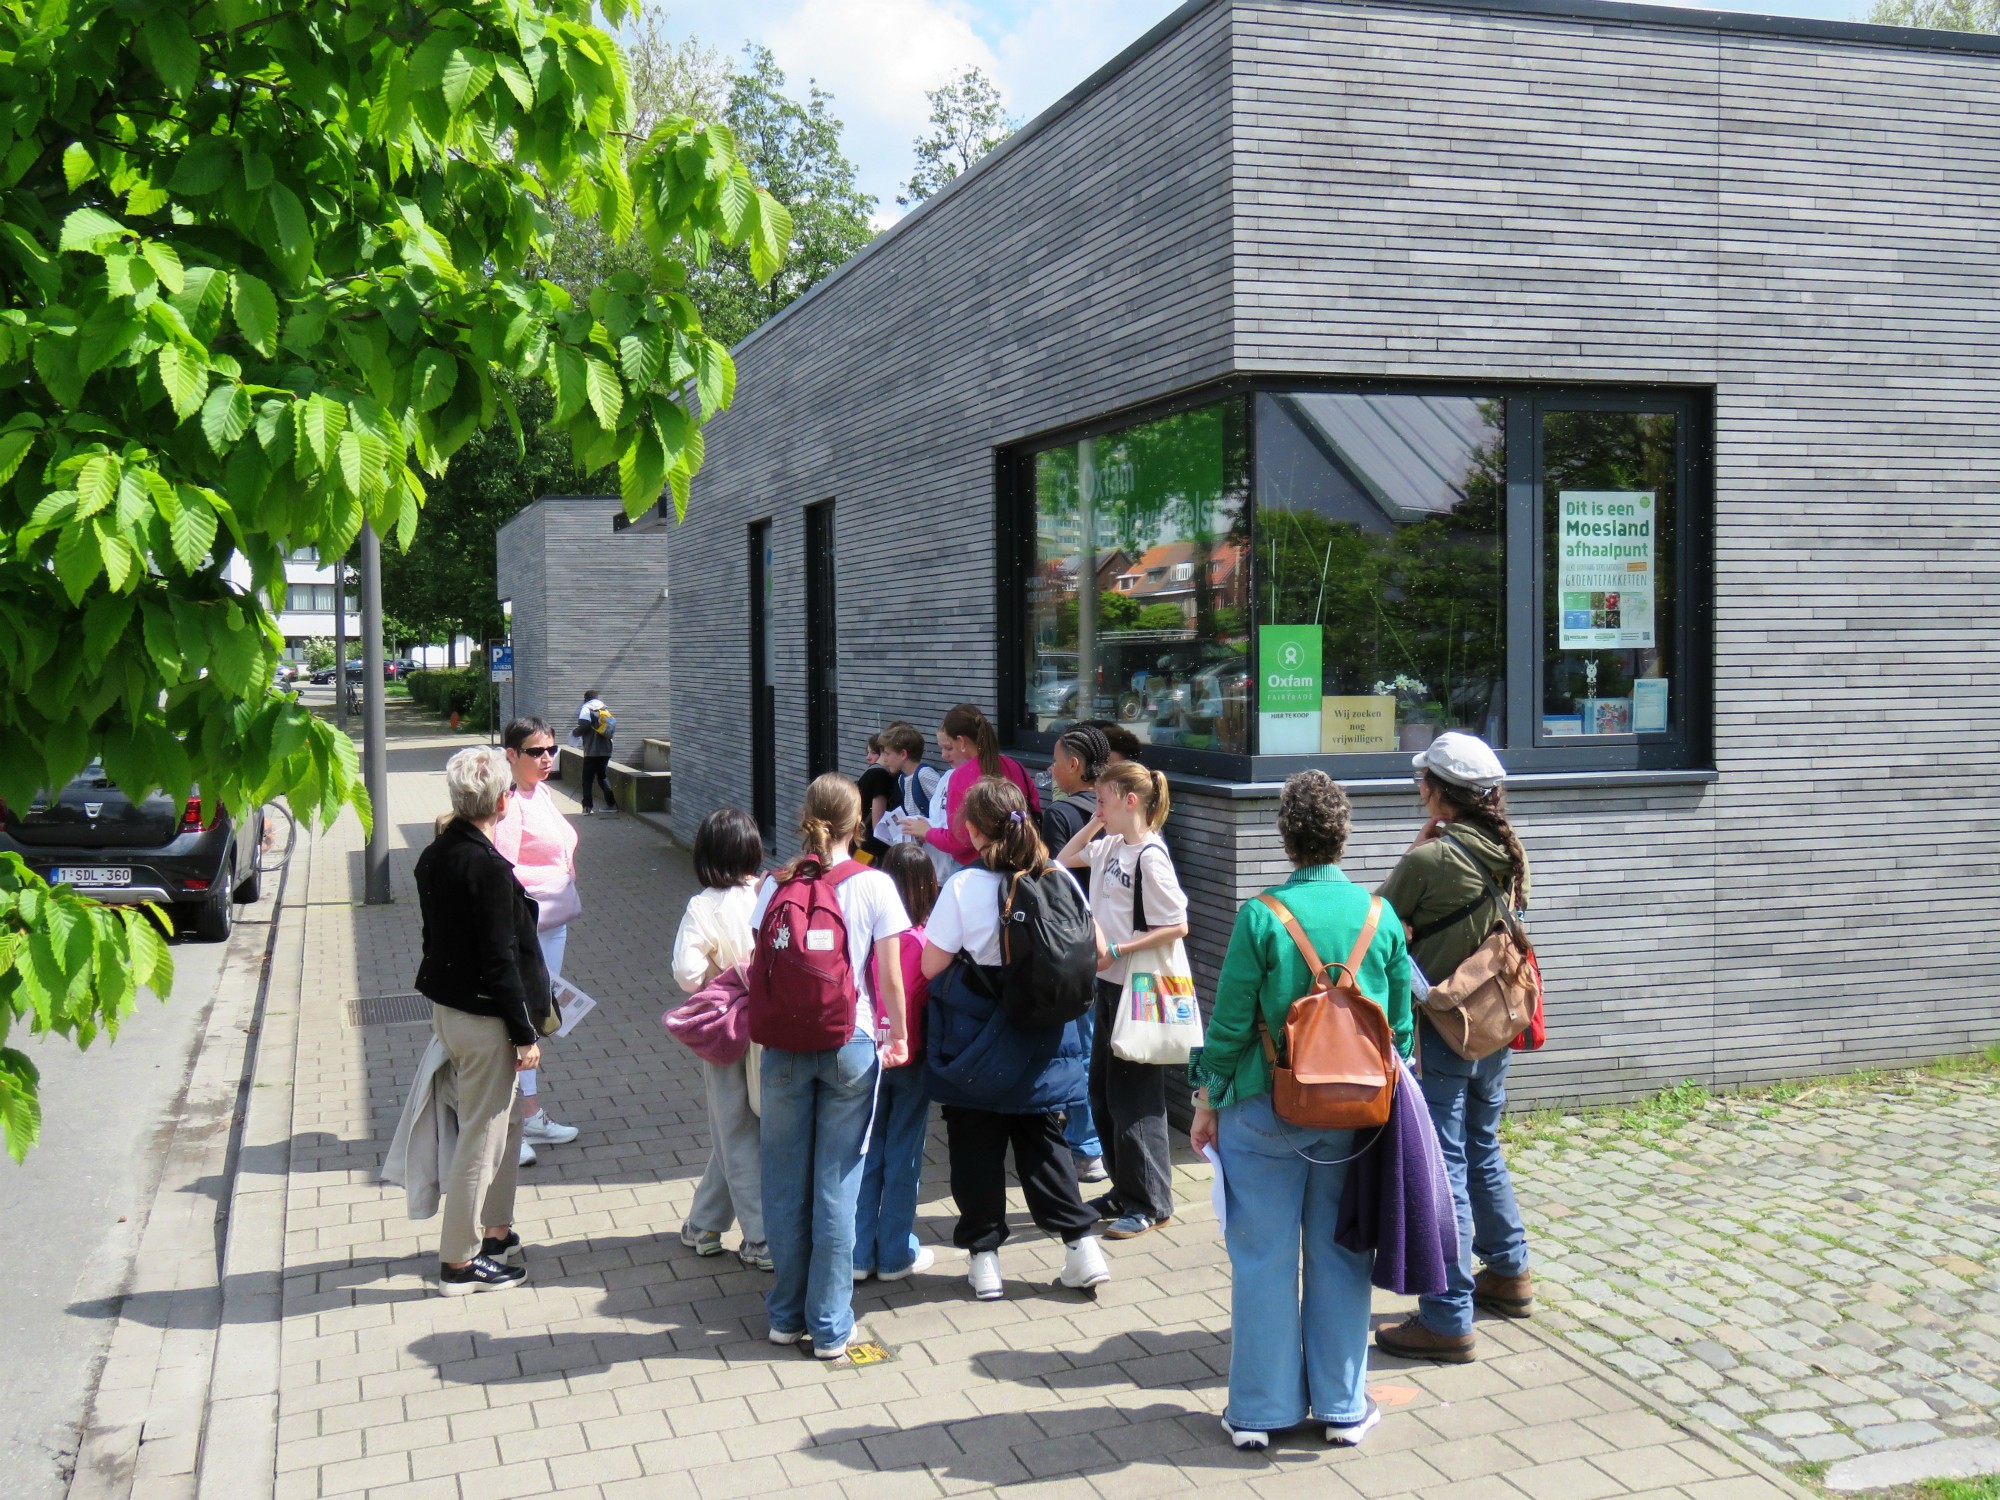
(1491, 998)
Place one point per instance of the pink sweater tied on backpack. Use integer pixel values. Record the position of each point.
(714, 1023)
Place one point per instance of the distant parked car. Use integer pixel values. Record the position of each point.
(91, 836)
(321, 676)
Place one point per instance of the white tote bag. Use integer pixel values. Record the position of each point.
(1158, 1020)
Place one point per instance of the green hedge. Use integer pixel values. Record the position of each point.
(445, 690)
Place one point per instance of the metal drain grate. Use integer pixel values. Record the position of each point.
(388, 1010)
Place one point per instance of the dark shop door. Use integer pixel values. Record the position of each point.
(763, 692)
(822, 655)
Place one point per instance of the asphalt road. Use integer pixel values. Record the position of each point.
(72, 1214)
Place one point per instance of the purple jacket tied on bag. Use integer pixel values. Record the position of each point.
(1397, 1199)
(713, 1023)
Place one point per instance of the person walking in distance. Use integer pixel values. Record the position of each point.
(539, 841)
(1003, 1084)
(825, 924)
(595, 725)
(1443, 889)
(1139, 905)
(715, 935)
(1292, 1358)
(482, 972)
(1082, 753)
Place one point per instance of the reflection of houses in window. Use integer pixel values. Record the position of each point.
(1166, 575)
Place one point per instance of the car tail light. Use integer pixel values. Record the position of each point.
(194, 885)
(192, 821)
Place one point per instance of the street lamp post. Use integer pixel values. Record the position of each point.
(375, 749)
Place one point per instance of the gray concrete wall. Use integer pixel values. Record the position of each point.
(1088, 269)
(588, 613)
(1800, 224)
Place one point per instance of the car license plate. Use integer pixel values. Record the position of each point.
(93, 875)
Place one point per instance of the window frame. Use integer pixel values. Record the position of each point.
(1689, 746)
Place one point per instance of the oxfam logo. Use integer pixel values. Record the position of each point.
(1291, 655)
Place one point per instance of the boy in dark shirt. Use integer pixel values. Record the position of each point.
(879, 793)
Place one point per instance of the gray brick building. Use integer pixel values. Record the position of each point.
(1396, 324)
(589, 611)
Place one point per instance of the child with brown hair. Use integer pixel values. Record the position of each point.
(1137, 900)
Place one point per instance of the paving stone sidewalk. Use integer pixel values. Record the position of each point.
(628, 1367)
(1817, 1275)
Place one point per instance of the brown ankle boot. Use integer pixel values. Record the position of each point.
(1410, 1339)
(1509, 1296)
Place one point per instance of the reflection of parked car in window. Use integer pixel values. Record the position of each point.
(92, 837)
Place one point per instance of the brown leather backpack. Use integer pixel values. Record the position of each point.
(1490, 999)
(1340, 1068)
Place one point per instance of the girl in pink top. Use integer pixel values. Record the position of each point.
(539, 840)
(972, 749)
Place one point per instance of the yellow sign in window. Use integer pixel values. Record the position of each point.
(1350, 725)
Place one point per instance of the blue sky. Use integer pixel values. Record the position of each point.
(876, 57)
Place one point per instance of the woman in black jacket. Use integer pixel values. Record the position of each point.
(483, 973)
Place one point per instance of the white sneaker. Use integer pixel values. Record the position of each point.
(527, 1157)
(785, 1340)
(1084, 1266)
(984, 1275)
(539, 1127)
(1244, 1438)
(926, 1258)
(831, 1352)
(1351, 1434)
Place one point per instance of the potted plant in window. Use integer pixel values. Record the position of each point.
(1417, 717)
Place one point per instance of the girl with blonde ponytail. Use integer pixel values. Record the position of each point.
(1139, 905)
(816, 1105)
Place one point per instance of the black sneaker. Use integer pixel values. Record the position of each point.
(508, 1251)
(480, 1274)
(1107, 1206)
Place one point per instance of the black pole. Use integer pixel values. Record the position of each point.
(375, 748)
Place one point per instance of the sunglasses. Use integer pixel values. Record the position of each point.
(537, 750)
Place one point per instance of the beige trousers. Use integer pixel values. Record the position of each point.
(481, 1176)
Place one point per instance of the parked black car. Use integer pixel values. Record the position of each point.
(92, 837)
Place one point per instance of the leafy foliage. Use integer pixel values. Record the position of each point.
(263, 265)
(444, 585)
(968, 119)
(1938, 15)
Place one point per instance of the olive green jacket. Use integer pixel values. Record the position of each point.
(1264, 972)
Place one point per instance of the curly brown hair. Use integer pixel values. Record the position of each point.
(1313, 818)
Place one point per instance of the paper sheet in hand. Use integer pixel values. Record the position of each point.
(889, 827)
(574, 1005)
(1216, 1197)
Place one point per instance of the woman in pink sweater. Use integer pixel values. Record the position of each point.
(972, 750)
(540, 842)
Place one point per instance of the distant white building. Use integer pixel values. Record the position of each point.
(308, 610)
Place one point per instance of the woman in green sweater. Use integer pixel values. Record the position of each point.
(1291, 1363)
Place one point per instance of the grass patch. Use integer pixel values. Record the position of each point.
(1985, 1487)
(1671, 1109)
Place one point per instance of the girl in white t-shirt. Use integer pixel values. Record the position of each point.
(1019, 1095)
(715, 934)
(1137, 900)
(817, 1105)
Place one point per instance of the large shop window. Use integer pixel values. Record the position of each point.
(1328, 576)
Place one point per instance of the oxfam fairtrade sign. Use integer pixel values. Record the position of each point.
(1288, 689)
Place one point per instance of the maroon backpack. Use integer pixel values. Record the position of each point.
(802, 988)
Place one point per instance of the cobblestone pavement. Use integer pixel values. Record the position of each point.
(628, 1367)
(1819, 1277)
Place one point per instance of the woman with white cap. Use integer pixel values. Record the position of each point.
(1443, 889)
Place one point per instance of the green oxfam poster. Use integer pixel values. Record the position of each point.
(1288, 689)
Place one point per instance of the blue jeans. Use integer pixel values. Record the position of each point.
(1080, 1133)
(885, 1215)
(1465, 1100)
(1288, 1363)
(815, 1123)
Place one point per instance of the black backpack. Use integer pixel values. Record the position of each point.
(1048, 949)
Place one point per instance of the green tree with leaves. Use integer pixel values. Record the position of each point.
(263, 265)
(1938, 15)
(792, 147)
(968, 119)
(445, 584)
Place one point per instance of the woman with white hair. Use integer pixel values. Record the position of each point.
(483, 973)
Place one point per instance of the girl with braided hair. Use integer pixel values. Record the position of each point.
(1440, 890)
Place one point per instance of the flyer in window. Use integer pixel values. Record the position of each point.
(1605, 550)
